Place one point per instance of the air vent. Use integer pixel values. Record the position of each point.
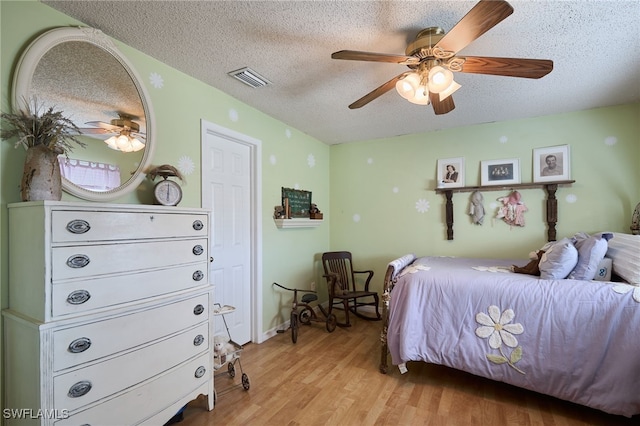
(249, 77)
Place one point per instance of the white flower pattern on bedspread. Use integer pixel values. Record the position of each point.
(496, 326)
(626, 288)
(412, 269)
(504, 269)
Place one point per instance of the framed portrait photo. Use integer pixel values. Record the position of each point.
(450, 172)
(500, 172)
(551, 163)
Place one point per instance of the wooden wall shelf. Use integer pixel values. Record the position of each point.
(550, 188)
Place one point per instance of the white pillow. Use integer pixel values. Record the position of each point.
(604, 270)
(559, 260)
(624, 250)
(591, 251)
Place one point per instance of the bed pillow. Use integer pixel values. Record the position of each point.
(624, 250)
(559, 260)
(604, 270)
(591, 250)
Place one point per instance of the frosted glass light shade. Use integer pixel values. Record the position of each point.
(421, 96)
(449, 91)
(407, 86)
(439, 79)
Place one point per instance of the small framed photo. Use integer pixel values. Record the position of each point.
(450, 172)
(551, 164)
(500, 172)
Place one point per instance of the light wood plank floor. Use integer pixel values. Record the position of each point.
(333, 379)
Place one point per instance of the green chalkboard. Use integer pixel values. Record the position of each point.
(299, 201)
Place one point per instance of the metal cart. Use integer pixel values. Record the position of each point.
(230, 356)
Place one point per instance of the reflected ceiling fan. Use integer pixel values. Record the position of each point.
(126, 133)
(433, 59)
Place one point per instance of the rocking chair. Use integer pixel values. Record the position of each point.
(340, 275)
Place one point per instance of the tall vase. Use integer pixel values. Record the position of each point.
(41, 179)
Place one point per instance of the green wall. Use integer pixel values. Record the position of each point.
(381, 181)
(378, 181)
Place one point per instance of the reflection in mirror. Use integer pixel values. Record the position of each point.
(80, 72)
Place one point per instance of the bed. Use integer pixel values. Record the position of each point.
(577, 340)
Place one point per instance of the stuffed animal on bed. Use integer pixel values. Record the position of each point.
(531, 268)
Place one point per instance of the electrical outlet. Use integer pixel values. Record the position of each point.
(313, 286)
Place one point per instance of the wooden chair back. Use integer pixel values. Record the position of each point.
(340, 264)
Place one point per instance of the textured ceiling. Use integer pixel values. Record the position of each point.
(595, 47)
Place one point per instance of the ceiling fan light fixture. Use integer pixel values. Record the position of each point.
(449, 91)
(440, 79)
(421, 97)
(124, 143)
(407, 86)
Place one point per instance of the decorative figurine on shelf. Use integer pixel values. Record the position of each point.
(314, 212)
(279, 213)
(635, 221)
(512, 209)
(166, 192)
(476, 209)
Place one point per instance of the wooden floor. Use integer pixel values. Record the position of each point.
(333, 379)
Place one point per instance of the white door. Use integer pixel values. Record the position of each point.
(227, 190)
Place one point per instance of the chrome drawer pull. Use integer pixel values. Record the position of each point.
(78, 297)
(200, 371)
(78, 226)
(78, 261)
(198, 250)
(198, 225)
(198, 340)
(79, 345)
(198, 275)
(198, 309)
(79, 389)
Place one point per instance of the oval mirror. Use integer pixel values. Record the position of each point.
(80, 72)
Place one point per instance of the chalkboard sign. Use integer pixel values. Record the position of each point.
(298, 202)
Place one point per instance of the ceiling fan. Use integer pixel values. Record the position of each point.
(432, 58)
(126, 133)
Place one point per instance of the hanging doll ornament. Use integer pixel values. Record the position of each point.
(476, 209)
(512, 209)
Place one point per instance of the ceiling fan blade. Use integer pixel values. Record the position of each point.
(354, 55)
(510, 67)
(379, 91)
(441, 107)
(480, 19)
(94, 131)
(139, 135)
(105, 126)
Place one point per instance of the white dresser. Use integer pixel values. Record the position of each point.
(109, 319)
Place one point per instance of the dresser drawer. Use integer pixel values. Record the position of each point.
(144, 401)
(85, 385)
(71, 262)
(84, 296)
(69, 226)
(88, 342)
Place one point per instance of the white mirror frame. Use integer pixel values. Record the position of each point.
(22, 80)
